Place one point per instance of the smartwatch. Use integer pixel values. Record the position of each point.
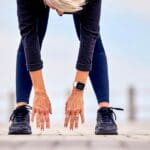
(79, 85)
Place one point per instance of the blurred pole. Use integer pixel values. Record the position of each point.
(131, 104)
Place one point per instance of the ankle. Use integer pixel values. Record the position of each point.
(21, 104)
(103, 104)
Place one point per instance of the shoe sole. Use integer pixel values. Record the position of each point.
(107, 133)
(22, 132)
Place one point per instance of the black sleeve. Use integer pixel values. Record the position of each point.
(89, 31)
(27, 11)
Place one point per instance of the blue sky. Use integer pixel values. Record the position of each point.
(125, 32)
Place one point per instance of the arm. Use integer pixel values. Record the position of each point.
(89, 30)
(28, 28)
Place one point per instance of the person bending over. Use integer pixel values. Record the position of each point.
(91, 62)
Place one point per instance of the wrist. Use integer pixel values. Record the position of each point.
(40, 92)
(79, 85)
(77, 91)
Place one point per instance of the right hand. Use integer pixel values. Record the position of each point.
(41, 110)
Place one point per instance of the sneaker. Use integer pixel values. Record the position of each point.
(105, 121)
(20, 121)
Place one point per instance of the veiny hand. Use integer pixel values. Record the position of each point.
(74, 109)
(41, 110)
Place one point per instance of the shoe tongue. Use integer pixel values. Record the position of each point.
(22, 109)
(104, 110)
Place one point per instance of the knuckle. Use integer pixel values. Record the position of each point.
(68, 110)
(67, 117)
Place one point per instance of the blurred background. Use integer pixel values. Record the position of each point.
(125, 30)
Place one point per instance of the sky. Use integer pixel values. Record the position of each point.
(125, 31)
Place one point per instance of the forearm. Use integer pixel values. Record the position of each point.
(38, 81)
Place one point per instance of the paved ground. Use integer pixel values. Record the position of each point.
(131, 136)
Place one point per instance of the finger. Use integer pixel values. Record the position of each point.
(51, 5)
(39, 112)
(47, 119)
(67, 119)
(66, 107)
(72, 121)
(60, 13)
(50, 108)
(82, 116)
(37, 120)
(33, 114)
(76, 119)
(42, 121)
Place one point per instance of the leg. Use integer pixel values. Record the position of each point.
(99, 78)
(20, 117)
(23, 81)
(99, 74)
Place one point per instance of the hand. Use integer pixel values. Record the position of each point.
(41, 110)
(52, 5)
(74, 109)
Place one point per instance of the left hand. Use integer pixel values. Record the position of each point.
(74, 109)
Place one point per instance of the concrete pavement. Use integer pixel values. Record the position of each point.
(131, 136)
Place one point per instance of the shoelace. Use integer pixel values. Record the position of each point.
(108, 112)
(19, 115)
(115, 108)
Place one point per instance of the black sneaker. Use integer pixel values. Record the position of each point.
(20, 121)
(105, 121)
